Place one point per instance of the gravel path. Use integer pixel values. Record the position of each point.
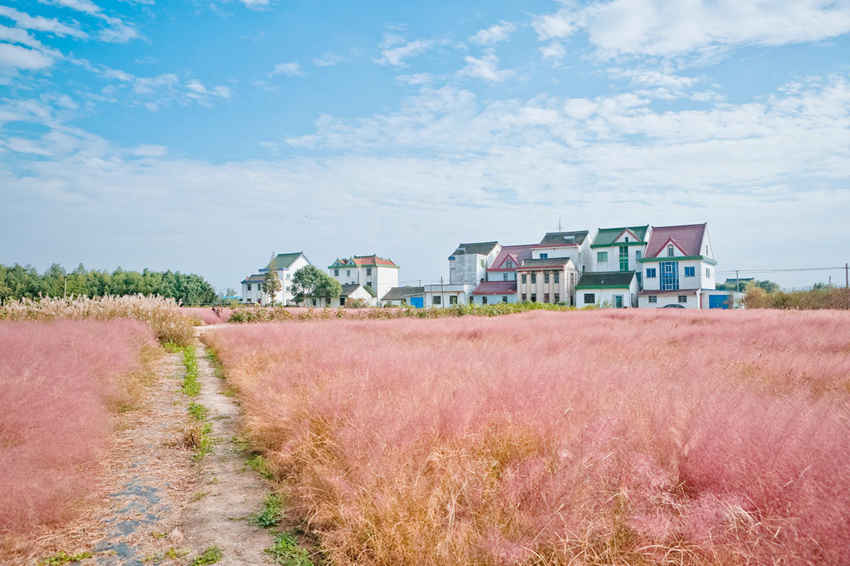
(229, 494)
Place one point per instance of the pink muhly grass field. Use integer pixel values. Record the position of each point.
(61, 383)
(207, 315)
(555, 438)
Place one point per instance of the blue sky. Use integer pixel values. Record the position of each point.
(203, 136)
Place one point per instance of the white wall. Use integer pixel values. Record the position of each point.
(698, 281)
(693, 300)
(606, 297)
(613, 263)
(492, 299)
(501, 276)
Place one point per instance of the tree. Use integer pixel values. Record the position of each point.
(312, 282)
(271, 284)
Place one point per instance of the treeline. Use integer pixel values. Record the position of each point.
(19, 282)
(822, 297)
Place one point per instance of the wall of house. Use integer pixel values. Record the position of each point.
(606, 297)
(345, 275)
(565, 288)
(698, 281)
(613, 263)
(693, 301)
(467, 268)
(385, 279)
(492, 299)
(501, 276)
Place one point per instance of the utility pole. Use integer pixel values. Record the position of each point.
(442, 297)
(846, 275)
(737, 282)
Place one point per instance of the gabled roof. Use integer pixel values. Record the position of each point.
(575, 237)
(349, 288)
(362, 261)
(282, 261)
(255, 278)
(495, 288)
(546, 262)
(481, 248)
(605, 279)
(687, 237)
(516, 253)
(397, 293)
(608, 236)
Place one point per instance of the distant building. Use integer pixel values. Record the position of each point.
(469, 262)
(619, 249)
(547, 280)
(678, 268)
(253, 286)
(404, 296)
(615, 289)
(375, 273)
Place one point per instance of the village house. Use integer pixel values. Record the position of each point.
(285, 265)
(404, 296)
(469, 262)
(679, 269)
(615, 289)
(619, 249)
(547, 280)
(377, 275)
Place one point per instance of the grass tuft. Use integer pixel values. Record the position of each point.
(63, 557)
(271, 514)
(287, 552)
(208, 556)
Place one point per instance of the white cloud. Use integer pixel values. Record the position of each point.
(150, 151)
(395, 56)
(16, 35)
(486, 67)
(553, 50)
(38, 23)
(663, 28)
(416, 79)
(493, 34)
(291, 69)
(256, 3)
(18, 57)
(328, 60)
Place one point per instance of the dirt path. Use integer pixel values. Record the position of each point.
(229, 494)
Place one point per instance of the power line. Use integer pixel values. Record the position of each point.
(782, 269)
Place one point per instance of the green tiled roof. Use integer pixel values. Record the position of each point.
(283, 261)
(608, 236)
(370, 290)
(605, 279)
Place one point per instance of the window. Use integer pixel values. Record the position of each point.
(314, 302)
(638, 255)
(545, 297)
(601, 257)
(546, 277)
(249, 300)
(653, 299)
(683, 298)
(670, 251)
(650, 273)
(452, 299)
(533, 278)
(534, 297)
(249, 286)
(708, 273)
(524, 278)
(368, 271)
(342, 301)
(504, 299)
(451, 258)
(524, 297)
(336, 272)
(669, 276)
(690, 271)
(509, 264)
(544, 256)
(436, 300)
(624, 258)
(348, 273)
(627, 239)
(557, 276)
(484, 300)
(506, 276)
(589, 298)
(557, 297)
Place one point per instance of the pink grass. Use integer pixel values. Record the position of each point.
(592, 436)
(61, 382)
(207, 315)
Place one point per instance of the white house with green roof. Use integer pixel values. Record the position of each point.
(285, 265)
(614, 289)
(619, 249)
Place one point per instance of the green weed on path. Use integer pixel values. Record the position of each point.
(287, 552)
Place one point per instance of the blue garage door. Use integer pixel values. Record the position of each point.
(718, 301)
(417, 302)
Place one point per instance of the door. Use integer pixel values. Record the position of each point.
(618, 301)
(417, 302)
(718, 301)
(669, 276)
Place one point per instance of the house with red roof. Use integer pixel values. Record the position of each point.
(376, 274)
(678, 268)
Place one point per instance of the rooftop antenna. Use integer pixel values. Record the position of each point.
(559, 225)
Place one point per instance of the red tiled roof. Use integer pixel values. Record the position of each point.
(516, 253)
(362, 260)
(495, 288)
(688, 238)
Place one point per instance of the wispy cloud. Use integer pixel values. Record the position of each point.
(38, 23)
(116, 30)
(19, 57)
(553, 50)
(493, 34)
(328, 59)
(395, 50)
(290, 69)
(486, 67)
